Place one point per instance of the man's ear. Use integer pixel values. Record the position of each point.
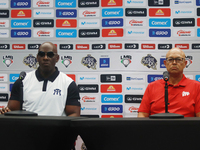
(165, 62)
(58, 57)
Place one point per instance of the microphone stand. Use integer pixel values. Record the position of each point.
(166, 115)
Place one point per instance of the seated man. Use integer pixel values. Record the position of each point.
(183, 93)
(46, 90)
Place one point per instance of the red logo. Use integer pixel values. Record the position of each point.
(198, 22)
(114, 88)
(159, 12)
(72, 76)
(18, 46)
(111, 116)
(112, 32)
(66, 23)
(182, 46)
(42, 3)
(111, 3)
(82, 46)
(148, 46)
(114, 46)
(25, 13)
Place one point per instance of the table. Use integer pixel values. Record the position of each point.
(36, 133)
(139, 133)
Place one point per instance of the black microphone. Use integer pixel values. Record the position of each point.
(22, 75)
(166, 75)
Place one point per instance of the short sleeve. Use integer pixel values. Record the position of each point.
(15, 92)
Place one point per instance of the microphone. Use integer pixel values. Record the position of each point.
(166, 75)
(22, 75)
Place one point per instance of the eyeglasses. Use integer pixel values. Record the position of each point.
(178, 60)
(49, 54)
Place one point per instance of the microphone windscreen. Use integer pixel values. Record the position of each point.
(22, 75)
(166, 75)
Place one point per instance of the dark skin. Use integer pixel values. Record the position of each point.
(46, 69)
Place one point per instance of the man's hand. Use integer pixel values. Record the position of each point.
(4, 110)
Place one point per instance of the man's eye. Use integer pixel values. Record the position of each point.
(170, 59)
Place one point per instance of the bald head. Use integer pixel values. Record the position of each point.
(48, 45)
(174, 52)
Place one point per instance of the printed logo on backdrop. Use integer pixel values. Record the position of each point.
(126, 60)
(135, 78)
(165, 46)
(43, 23)
(3, 97)
(43, 3)
(11, 85)
(111, 98)
(114, 22)
(89, 33)
(88, 3)
(196, 46)
(66, 23)
(20, 3)
(4, 33)
(133, 98)
(18, 46)
(111, 88)
(43, 13)
(149, 61)
(66, 13)
(66, 33)
(159, 12)
(3, 87)
(159, 22)
(182, 46)
(162, 65)
(89, 61)
(89, 98)
(135, 88)
(111, 116)
(135, 2)
(23, 33)
(111, 78)
(154, 77)
(88, 88)
(159, 2)
(159, 32)
(4, 23)
(136, 32)
(88, 78)
(111, 3)
(184, 22)
(148, 46)
(66, 46)
(33, 46)
(104, 62)
(131, 109)
(4, 13)
(184, 2)
(8, 60)
(112, 12)
(14, 77)
(25, 13)
(135, 22)
(115, 46)
(136, 12)
(43, 33)
(89, 23)
(184, 32)
(24, 23)
(197, 2)
(89, 109)
(65, 4)
(98, 46)
(66, 60)
(4, 46)
(189, 60)
(82, 46)
(198, 32)
(30, 61)
(4, 4)
(197, 78)
(117, 32)
(131, 46)
(111, 108)
(3, 77)
(184, 12)
(89, 13)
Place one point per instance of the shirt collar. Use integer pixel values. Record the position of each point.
(181, 83)
(51, 78)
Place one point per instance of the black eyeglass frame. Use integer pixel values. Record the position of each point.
(178, 59)
(49, 54)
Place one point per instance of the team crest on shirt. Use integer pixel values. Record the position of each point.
(89, 61)
(189, 60)
(66, 60)
(126, 60)
(31, 61)
(57, 92)
(8, 60)
(149, 61)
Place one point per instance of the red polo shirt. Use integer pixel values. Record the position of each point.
(183, 98)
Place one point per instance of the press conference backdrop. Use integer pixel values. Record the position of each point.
(112, 48)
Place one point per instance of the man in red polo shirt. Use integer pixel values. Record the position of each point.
(183, 93)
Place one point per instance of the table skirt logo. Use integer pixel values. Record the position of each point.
(149, 61)
(66, 60)
(8, 60)
(89, 61)
(30, 61)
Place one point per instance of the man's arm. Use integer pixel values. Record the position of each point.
(72, 110)
(143, 114)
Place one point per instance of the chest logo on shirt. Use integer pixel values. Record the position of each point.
(185, 94)
(57, 92)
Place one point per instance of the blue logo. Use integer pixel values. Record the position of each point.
(198, 32)
(104, 63)
(159, 32)
(162, 65)
(198, 2)
(14, 77)
(197, 78)
(24, 23)
(115, 12)
(20, 4)
(118, 22)
(65, 3)
(111, 108)
(11, 85)
(21, 33)
(67, 13)
(159, 22)
(111, 98)
(66, 33)
(155, 77)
